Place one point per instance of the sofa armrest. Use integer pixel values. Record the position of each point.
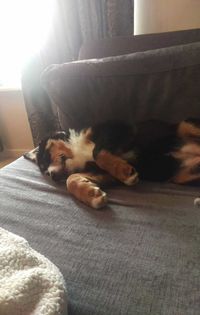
(156, 84)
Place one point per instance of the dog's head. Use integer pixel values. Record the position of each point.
(51, 156)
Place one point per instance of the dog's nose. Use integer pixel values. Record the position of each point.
(54, 176)
(45, 172)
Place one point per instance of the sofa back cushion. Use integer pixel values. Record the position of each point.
(122, 45)
(156, 84)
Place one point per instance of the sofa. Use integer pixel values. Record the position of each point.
(139, 255)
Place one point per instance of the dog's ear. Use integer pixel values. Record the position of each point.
(32, 155)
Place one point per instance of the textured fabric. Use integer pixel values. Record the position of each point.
(122, 45)
(85, 22)
(29, 283)
(156, 84)
(139, 259)
(75, 22)
(42, 114)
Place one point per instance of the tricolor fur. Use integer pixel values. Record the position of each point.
(114, 152)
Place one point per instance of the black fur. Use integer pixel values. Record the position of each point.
(113, 136)
(43, 156)
(151, 142)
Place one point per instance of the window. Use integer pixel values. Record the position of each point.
(24, 28)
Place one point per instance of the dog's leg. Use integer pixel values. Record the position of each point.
(85, 187)
(189, 128)
(117, 167)
(184, 176)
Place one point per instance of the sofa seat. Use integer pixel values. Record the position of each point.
(133, 259)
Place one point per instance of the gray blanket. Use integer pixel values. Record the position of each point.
(123, 260)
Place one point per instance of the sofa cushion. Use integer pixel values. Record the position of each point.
(138, 259)
(157, 84)
(121, 45)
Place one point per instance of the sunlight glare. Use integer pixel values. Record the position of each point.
(24, 29)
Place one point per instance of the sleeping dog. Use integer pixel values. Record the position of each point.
(115, 152)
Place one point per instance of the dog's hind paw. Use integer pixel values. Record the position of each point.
(132, 180)
(197, 202)
(117, 167)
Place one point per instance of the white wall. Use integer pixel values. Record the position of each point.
(14, 127)
(155, 16)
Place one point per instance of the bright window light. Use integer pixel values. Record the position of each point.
(24, 29)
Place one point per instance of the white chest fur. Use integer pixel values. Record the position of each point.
(82, 151)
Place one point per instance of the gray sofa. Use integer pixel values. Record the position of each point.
(141, 257)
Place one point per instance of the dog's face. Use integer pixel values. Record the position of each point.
(63, 154)
(52, 155)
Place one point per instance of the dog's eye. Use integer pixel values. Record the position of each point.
(63, 157)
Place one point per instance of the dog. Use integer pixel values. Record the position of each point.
(114, 152)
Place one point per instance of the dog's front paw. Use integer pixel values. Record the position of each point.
(98, 198)
(86, 191)
(197, 202)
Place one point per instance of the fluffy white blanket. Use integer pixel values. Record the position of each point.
(29, 283)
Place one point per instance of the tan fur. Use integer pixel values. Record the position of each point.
(117, 167)
(187, 130)
(189, 156)
(184, 176)
(78, 150)
(187, 152)
(84, 188)
(57, 148)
